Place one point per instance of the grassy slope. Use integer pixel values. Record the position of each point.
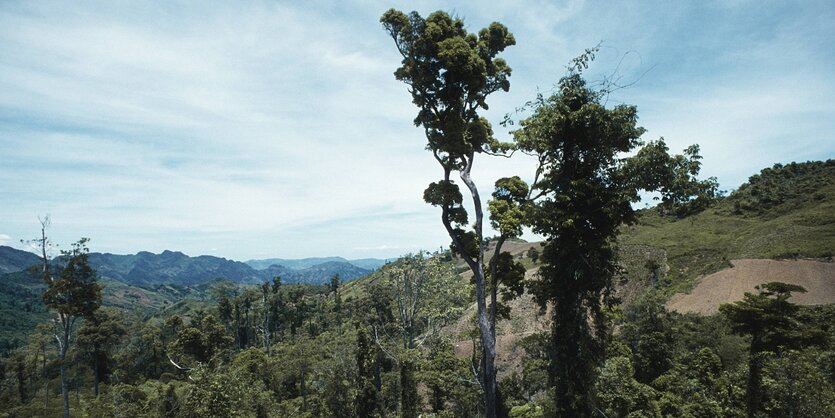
(776, 215)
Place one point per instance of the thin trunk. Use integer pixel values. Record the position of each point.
(46, 381)
(96, 373)
(65, 323)
(237, 326)
(378, 381)
(489, 349)
(247, 327)
(494, 278)
(408, 389)
(266, 324)
(303, 389)
(65, 387)
(754, 382)
(488, 341)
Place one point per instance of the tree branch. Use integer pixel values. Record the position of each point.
(379, 344)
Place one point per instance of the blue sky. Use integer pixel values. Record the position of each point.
(276, 129)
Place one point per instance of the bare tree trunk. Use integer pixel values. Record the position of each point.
(488, 340)
(494, 278)
(65, 387)
(65, 324)
(266, 322)
(46, 381)
(488, 343)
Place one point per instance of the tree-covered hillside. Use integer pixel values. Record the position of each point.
(144, 283)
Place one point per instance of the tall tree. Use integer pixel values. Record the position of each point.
(336, 282)
(270, 304)
(770, 319)
(367, 393)
(582, 193)
(450, 73)
(72, 294)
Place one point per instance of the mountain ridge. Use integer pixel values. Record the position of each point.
(173, 267)
(303, 263)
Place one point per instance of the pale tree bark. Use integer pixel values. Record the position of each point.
(476, 265)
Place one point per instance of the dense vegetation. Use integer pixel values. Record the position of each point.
(345, 350)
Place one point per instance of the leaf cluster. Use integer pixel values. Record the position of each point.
(74, 292)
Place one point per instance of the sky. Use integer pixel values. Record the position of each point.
(254, 129)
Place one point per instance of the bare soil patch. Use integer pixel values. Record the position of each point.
(730, 285)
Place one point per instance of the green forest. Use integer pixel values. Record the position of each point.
(577, 325)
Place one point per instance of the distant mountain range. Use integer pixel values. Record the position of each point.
(303, 263)
(148, 269)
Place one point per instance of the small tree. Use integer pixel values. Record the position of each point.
(200, 342)
(770, 319)
(72, 294)
(533, 254)
(428, 294)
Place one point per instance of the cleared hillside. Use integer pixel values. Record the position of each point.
(785, 212)
(729, 285)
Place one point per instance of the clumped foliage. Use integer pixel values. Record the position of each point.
(364, 353)
(675, 177)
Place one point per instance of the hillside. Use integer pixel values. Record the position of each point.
(145, 268)
(21, 308)
(12, 260)
(144, 283)
(722, 252)
(785, 212)
(716, 256)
